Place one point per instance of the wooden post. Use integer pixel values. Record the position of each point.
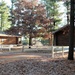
(9, 47)
(1, 47)
(62, 51)
(52, 47)
(22, 48)
(52, 52)
(36, 48)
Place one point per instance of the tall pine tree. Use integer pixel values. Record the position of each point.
(4, 16)
(67, 5)
(53, 12)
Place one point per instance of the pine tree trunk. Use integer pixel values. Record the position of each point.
(30, 40)
(71, 41)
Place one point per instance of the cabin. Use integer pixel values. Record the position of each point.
(61, 36)
(9, 39)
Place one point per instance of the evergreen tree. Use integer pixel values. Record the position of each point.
(11, 12)
(4, 16)
(67, 5)
(52, 12)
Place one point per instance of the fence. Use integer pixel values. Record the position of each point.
(52, 49)
(7, 47)
(49, 49)
(59, 49)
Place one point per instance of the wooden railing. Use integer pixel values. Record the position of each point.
(7, 47)
(51, 49)
(59, 49)
(2, 47)
(26, 48)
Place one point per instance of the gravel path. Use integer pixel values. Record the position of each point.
(35, 64)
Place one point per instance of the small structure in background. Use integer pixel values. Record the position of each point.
(9, 39)
(61, 36)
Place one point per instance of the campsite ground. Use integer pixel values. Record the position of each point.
(21, 63)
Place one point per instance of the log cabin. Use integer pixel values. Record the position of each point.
(61, 36)
(9, 39)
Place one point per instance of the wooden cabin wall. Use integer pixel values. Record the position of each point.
(62, 37)
(8, 40)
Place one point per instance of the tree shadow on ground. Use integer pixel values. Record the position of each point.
(35, 64)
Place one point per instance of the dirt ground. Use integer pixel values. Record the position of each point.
(21, 63)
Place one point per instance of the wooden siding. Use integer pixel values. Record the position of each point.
(8, 40)
(61, 38)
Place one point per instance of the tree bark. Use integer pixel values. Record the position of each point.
(30, 40)
(71, 35)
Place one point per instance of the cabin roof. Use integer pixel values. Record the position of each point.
(60, 29)
(6, 35)
(3, 34)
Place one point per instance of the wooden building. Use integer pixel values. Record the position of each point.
(9, 39)
(61, 36)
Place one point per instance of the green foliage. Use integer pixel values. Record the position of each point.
(67, 5)
(4, 15)
(25, 42)
(12, 4)
(13, 1)
(53, 12)
(45, 41)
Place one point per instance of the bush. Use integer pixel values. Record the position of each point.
(45, 42)
(25, 42)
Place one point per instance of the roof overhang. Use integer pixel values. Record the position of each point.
(6, 35)
(54, 32)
